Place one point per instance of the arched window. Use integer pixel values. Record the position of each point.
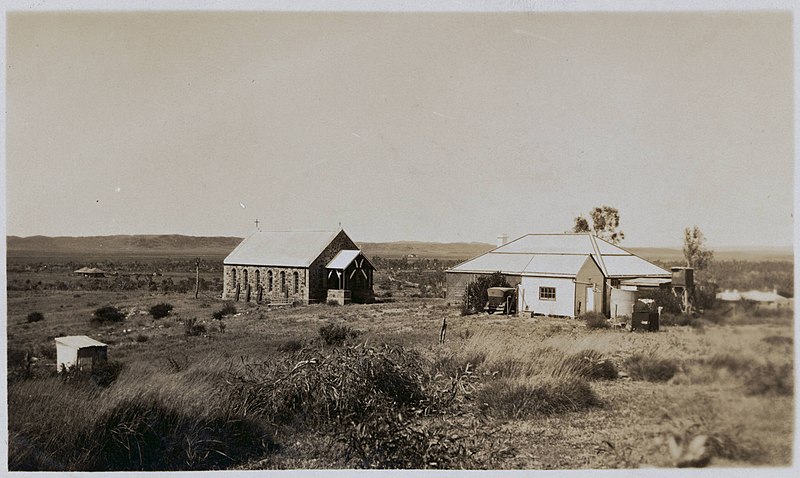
(296, 282)
(269, 280)
(244, 277)
(283, 281)
(258, 279)
(233, 276)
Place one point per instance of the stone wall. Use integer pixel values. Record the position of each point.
(293, 289)
(318, 291)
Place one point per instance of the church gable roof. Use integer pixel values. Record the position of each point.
(281, 248)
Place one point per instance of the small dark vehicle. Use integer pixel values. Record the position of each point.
(502, 299)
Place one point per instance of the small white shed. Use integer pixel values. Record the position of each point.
(79, 351)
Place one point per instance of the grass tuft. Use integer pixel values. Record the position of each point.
(650, 368)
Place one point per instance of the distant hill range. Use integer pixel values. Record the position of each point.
(184, 246)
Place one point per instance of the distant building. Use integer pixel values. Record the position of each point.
(90, 272)
(563, 274)
(79, 351)
(762, 299)
(297, 267)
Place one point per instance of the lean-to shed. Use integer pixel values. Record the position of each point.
(79, 351)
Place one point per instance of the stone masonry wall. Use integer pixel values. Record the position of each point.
(316, 273)
(259, 276)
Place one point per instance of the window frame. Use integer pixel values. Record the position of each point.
(545, 292)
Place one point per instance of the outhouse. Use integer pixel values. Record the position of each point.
(79, 351)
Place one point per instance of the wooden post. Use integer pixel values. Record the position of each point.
(443, 332)
(197, 279)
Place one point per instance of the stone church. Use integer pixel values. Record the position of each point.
(291, 267)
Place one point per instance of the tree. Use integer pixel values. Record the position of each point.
(605, 224)
(697, 255)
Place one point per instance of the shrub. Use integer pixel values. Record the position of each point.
(336, 335)
(595, 320)
(333, 302)
(591, 365)
(227, 309)
(451, 365)
(107, 314)
(668, 319)
(778, 340)
(291, 345)
(734, 363)
(770, 379)
(476, 293)
(142, 338)
(104, 374)
(509, 398)
(192, 328)
(35, 317)
(159, 311)
(650, 368)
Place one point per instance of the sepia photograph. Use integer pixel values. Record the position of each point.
(399, 236)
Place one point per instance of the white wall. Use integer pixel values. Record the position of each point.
(66, 356)
(529, 296)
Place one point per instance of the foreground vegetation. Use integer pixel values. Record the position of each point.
(212, 386)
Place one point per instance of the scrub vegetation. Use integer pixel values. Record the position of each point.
(369, 386)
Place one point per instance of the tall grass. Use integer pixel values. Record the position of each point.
(144, 421)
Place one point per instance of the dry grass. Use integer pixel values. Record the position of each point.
(543, 413)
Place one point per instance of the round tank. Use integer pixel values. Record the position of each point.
(622, 302)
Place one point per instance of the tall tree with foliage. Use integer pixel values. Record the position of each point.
(605, 224)
(697, 255)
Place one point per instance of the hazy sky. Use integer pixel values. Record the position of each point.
(437, 126)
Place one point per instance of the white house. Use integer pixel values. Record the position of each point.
(561, 274)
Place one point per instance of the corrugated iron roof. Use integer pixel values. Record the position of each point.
(342, 259)
(645, 281)
(79, 341)
(560, 254)
(281, 248)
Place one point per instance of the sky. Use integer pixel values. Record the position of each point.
(448, 127)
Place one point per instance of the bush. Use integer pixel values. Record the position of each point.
(595, 320)
(668, 319)
(336, 335)
(227, 309)
(107, 314)
(192, 328)
(516, 399)
(476, 293)
(159, 311)
(291, 345)
(332, 302)
(591, 365)
(34, 317)
(650, 368)
(778, 340)
(142, 338)
(770, 379)
(104, 374)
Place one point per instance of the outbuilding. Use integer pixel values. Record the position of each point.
(561, 274)
(79, 351)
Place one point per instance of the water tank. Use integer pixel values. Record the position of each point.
(622, 302)
(682, 276)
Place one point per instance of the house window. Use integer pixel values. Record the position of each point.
(233, 276)
(258, 279)
(269, 280)
(547, 293)
(283, 281)
(296, 283)
(244, 277)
